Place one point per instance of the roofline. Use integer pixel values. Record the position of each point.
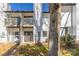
(19, 11)
(22, 11)
(62, 4)
(68, 4)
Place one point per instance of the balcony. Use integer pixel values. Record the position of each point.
(11, 22)
(16, 22)
(27, 21)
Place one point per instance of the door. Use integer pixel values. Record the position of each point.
(17, 36)
(28, 36)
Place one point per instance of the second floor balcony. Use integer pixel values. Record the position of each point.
(17, 21)
(27, 21)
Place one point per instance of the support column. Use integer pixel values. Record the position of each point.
(73, 21)
(77, 23)
(8, 35)
(20, 29)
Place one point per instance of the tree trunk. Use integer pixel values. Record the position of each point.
(37, 21)
(54, 29)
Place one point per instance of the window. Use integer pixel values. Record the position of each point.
(17, 35)
(27, 33)
(16, 20)
(45, 33)
(6, 21)
(39, 34)
(28, 20)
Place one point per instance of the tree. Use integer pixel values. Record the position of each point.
(54, 29)
(37, 22)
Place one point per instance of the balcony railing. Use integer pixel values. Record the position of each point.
(11, 22)
(16, 21)
(28, 21)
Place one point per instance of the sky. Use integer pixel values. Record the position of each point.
(27, 7)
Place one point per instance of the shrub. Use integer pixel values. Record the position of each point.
(67, 41)
(32, 50)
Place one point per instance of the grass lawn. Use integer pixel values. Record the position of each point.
(4, 47)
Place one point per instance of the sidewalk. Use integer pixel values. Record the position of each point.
(6, 47)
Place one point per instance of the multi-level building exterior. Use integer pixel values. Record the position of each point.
(3, 16)
(13, 30)
(10, 31)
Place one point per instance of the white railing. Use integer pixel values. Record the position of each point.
(15, 21)
(11, 22)
(28, 21)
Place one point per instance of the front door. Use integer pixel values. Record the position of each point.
(28, 36)
(17, 37)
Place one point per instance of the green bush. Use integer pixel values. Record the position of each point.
(67, 41)
(32, 50)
